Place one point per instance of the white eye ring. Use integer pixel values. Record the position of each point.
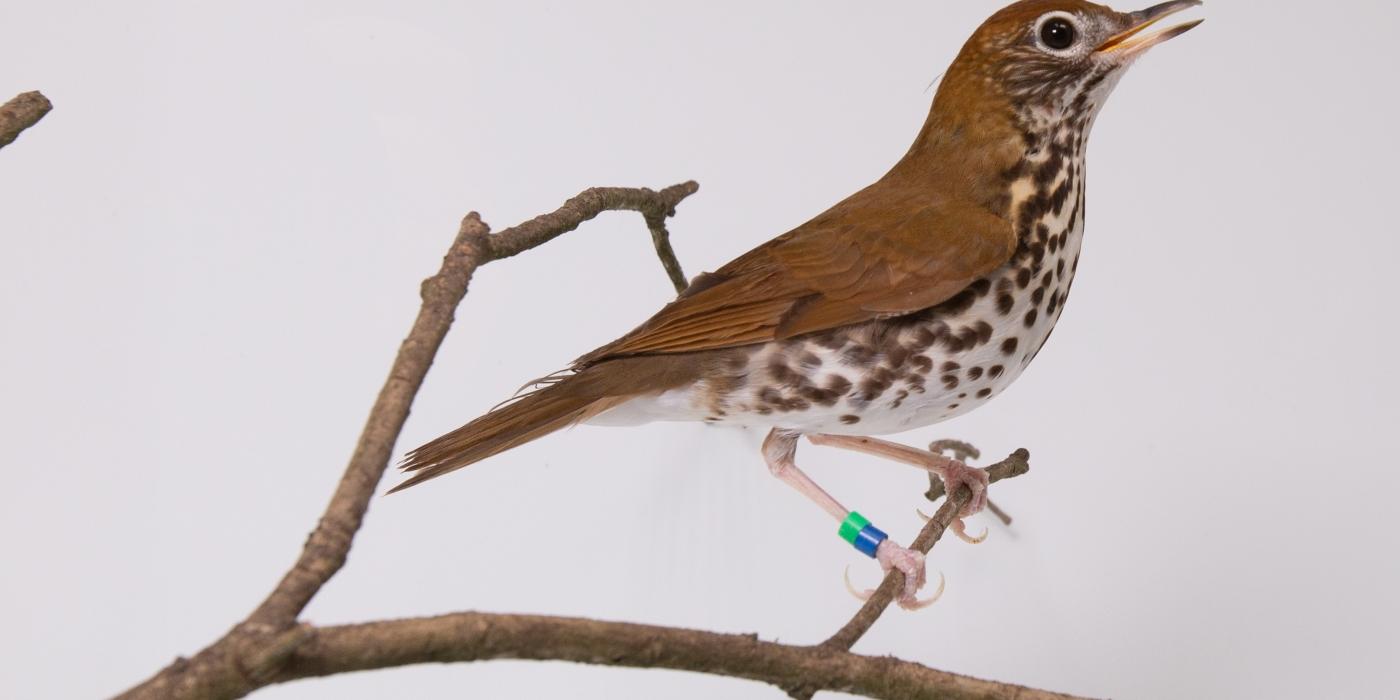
(1058, 33)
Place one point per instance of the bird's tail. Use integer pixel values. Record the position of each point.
(557, 403)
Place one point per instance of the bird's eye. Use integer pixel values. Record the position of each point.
(1058, 33)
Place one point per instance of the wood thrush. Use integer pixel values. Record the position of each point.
(912, 301)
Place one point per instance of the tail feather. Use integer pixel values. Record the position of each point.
(558, 404)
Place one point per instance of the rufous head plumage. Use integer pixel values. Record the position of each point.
(1031, 66)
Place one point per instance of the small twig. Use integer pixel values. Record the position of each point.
(583, 207)
(962, 451)
(661, 240)
(996, 510)
(1015, 465)
(24, 111)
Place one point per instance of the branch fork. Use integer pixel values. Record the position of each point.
(271, 646)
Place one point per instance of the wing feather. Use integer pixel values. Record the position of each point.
(875, 255)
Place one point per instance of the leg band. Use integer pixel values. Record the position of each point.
(858, 531)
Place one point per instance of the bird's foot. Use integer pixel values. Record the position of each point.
(911, 564)
(955, 475)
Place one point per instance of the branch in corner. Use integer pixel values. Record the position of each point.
(24, 111)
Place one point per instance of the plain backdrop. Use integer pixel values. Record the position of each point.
(211, 248)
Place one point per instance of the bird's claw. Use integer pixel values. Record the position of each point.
(862, 596)
(960, 529)
(910, 603)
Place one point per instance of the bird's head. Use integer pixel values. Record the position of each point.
(1037, 68)
(1054, 56)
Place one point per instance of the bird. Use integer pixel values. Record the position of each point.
(910, 302)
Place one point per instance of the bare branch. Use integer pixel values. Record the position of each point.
(654, 207)
(271, 647)
(229, 666)
(24, 111)
(471, 636)
(326, 548)
(1015, 465)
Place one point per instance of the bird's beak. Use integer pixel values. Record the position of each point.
(1132, 41)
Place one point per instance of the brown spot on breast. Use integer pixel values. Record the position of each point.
(896, 355)
(1008, 346)
(953, 343)
(1031, 317)
(922, 364)
(823, 397)
(1005, 303)
(951, 367)
(984, 331)
(984, 393)
(810, 361)
(996, 371)
(1023, 278)
(850, 419)
(928, 335)
(859, 355)
(975, 373)
(1038, 296)
(838, 384)
(780, 372)
(872, 388)
(950, 381)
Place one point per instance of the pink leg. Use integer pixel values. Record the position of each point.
(779, 451)
(953, 473)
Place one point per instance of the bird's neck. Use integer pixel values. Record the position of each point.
(1018, 156)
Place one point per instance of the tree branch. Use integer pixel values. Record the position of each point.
(655, 207)
(24, 111)
(471, 636)
(223, 668)
(271, 647)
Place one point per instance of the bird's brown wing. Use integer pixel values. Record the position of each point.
(859, 260)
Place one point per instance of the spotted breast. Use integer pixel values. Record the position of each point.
(895, 374)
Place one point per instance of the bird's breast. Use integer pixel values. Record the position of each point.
(896, 374)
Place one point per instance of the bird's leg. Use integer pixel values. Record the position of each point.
(779, 451)
(953, 472)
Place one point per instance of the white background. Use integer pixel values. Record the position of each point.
(210, 250)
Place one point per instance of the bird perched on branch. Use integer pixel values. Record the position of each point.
(912, 301)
